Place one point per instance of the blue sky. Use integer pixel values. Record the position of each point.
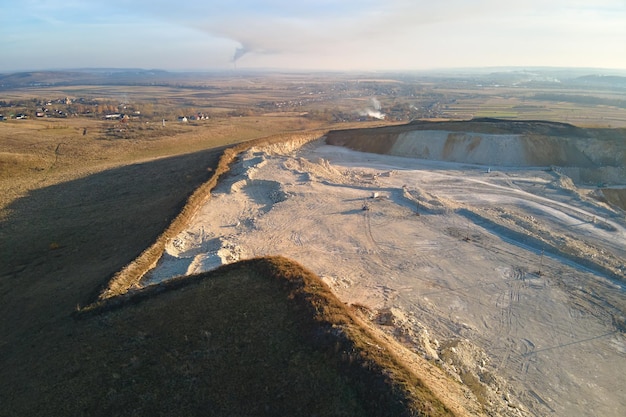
(303, 34)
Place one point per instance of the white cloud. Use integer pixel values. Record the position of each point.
(340, 35)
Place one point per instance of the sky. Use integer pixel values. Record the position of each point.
(338, 35)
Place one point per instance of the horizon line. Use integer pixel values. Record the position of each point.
(294, 70)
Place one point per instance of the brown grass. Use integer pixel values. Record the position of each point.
(362, 356)
(323, 334)
(44, 152)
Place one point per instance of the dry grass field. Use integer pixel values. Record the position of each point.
(535, 104)
(36, 153)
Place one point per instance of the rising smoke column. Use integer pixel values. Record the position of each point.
(373, 110)
(248, 47)
(241, 51)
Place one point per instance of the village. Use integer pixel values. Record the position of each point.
(61, 108)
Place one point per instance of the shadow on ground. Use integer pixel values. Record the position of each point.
(59, 244)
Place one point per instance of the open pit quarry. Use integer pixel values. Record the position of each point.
(496, 250)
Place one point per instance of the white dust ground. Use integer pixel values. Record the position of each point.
(437, 256)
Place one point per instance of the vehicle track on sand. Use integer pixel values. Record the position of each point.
(480, 268)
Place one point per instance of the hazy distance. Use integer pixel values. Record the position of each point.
(316, 35)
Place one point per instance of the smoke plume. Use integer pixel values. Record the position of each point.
(373, 110)
(239, 52)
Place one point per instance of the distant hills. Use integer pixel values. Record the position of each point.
(88, 77)
(575, 77)
(603, 80)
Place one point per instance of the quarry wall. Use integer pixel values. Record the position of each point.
(588, 157)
